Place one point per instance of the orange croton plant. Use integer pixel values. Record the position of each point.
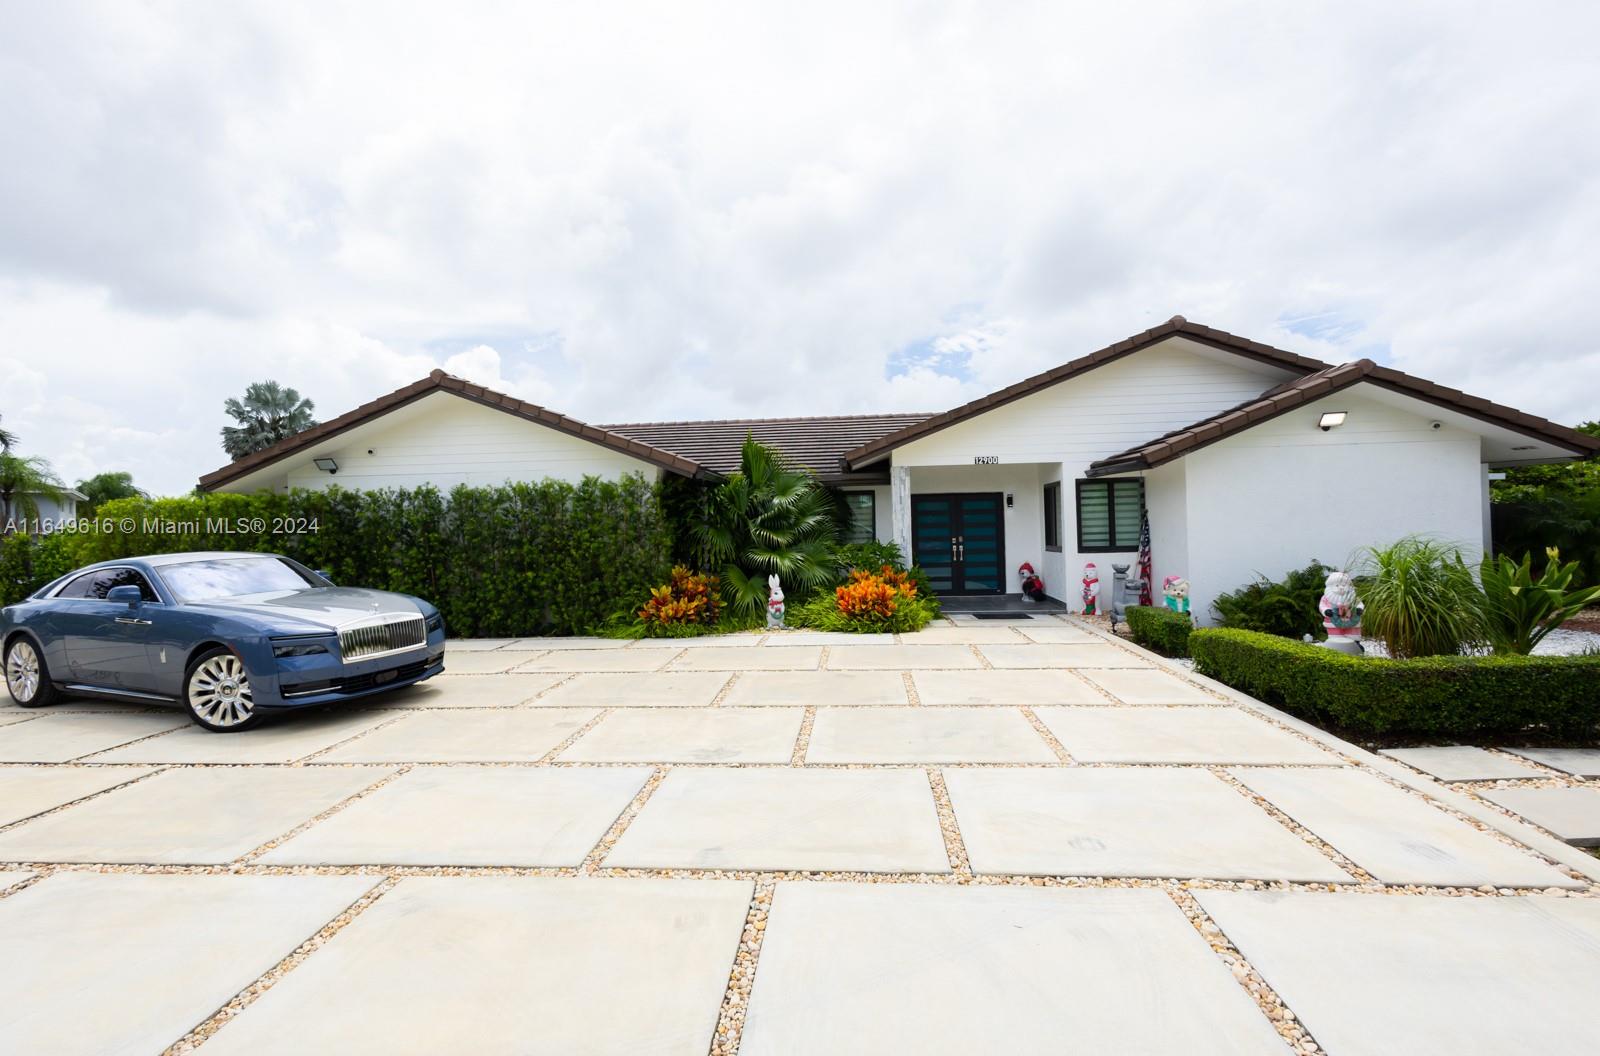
(874, 594)
(687, 597)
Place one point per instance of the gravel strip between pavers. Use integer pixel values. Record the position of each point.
(742, 976)
(802, 740)
(591, 861)
(1062, 755)
(955, 847)
(1306, 835)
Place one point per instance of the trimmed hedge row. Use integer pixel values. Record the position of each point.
(522, 559)
(1158, 627)
(1455, 696)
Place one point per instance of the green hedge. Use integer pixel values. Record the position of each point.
(522, 559)
(1158, 627)
(1452, 696)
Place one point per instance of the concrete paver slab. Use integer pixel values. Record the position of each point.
(707, 641)
(29, 790)
(599, 660)
(1579, 762)
(1015, 688)
(1394, 835)
(127, 964)
(1176, 735)
(1097, 654)
(979, 635)
(1571, 813)
(1047, 634)
(669, 689)
(802, 688)
(794, 658)
(899, 657)
(189, 816)
(1148, 686)
(471, 815)
(1374, 975)
(481, 662)
(865, 968)
(926, 735)
(528, 645)
(58, 738)
(512, 736)
(866, 820)
(468, 691)
(285, 740)
(1124, 822)
(8, 880)
(690, 735)
(831, 638)
(1462, 763)
(511, 964)
(475, 645)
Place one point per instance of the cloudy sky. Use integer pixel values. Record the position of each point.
(681, 211)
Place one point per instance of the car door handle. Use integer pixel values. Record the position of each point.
(132, 620)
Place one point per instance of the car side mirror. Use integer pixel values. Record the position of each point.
(325, 575)
(132, 597)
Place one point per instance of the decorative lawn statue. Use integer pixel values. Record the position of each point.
(1341, 613)
(1176, 591)
(1032, 585)
(1091, 590)
(1126, 590)
(774, 602)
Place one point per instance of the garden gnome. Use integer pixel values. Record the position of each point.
(1176, 590)
(1091, 589)
(1032, 585)
(774, 602)
(1341, 613)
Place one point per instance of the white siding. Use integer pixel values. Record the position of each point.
(1272, 498)
(1167, 504)
(445, 440)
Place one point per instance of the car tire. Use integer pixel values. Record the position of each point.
(27, 678)
(217, 693)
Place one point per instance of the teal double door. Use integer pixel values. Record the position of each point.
(959, 540)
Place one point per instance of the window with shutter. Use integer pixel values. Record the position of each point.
(1109, 514)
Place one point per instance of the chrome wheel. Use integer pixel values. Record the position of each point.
(22, 672)
(219, 691)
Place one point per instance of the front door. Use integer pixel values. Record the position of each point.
(959, 540)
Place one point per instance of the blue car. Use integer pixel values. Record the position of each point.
(233, 637)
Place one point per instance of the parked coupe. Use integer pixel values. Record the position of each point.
(232, 637)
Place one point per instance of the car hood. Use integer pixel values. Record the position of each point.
(316, 608)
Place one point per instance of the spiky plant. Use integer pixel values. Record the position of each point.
(1421, 599)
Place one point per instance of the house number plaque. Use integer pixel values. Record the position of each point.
(986, 460)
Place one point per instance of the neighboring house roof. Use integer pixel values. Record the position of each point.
(1301, 391)
(66, 493)
(816, 443)
(439, 381)
(1176, 326)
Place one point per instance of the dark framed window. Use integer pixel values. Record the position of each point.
(1052, 516)
(863, 524)
(1109, 513)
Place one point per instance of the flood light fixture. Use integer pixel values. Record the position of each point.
(1331, 420)
(327, 465)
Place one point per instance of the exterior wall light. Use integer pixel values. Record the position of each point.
(327, 465)
(1331, 420)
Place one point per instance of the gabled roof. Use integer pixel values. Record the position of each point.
(1301, 391)
(816, 443)
(1176, 326)
(439, 381)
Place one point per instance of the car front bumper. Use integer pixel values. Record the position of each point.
(321, 679)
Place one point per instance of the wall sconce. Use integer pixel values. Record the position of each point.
(327, 465)
(1331, 420)
(1011, 500)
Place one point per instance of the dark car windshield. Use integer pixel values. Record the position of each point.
(232, 577)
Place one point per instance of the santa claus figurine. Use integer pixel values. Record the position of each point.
(1091, 589)
(1032, 585)
(1341, 613)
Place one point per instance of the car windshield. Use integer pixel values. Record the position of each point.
(232, 577)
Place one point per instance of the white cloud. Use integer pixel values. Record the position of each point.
(712, 211)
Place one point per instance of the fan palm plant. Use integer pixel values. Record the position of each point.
(768, 518)
(268, 413)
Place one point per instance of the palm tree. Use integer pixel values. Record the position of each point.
(767, 518)
(20, 480)
(103, 487)
(268, 413)
(7, 441)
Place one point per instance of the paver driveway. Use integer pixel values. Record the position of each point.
(1004, 838)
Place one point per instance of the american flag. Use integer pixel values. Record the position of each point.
(1144, 560)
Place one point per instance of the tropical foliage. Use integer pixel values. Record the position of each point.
(8, 440)
(885, 600)
(22, 479)
(767, 518)
(1538, 507)
(103, 487)
(1421, 599)
(687, 599)
(1519, 609)
(1287, 608)
(267, 414)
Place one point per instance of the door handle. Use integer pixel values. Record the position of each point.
(952, 548)
(961, 545)
(135, 622)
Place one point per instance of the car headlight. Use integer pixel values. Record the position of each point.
(435, 622)
(299, 649)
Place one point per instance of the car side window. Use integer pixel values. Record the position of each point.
(97, 584)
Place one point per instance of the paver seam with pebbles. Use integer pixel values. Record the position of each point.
(592, 860)
(983, 661)
(727, 687)
(802, 740)
(572, 738)
(1293, 826)
(311, 756)
(81, 799)
(202, 1031)
(323, 815)
(954, 846)
(742, 975)
(913, 698)
(1049, 738)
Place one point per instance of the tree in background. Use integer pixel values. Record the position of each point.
(21, 481)
(1539, 507)
(103, 487)
(7, 441)
(267, 414)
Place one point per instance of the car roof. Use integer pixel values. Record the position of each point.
(158, 560)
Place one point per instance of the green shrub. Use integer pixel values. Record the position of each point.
(1287, 608)
(881, 601)
(1421, 599)
(1158, 627)
(1519, 609)
(521, 559)
(850, 556)
(1440, 696)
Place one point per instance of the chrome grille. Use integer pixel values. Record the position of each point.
(394, 634)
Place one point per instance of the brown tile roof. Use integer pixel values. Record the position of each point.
(1300, 391)
(816, 443)
(439, 381)
(1176, 326)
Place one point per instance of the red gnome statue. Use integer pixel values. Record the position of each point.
(1032, 585)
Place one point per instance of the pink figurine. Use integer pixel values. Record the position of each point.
(1341, 613)
(1091, 589)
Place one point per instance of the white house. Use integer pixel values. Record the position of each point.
(1245, 458)
(51, 511)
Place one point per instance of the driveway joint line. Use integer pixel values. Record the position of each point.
(742, 975)
(591, 861)
(362, 793)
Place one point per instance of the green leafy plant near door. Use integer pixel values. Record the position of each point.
(1519, 609)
